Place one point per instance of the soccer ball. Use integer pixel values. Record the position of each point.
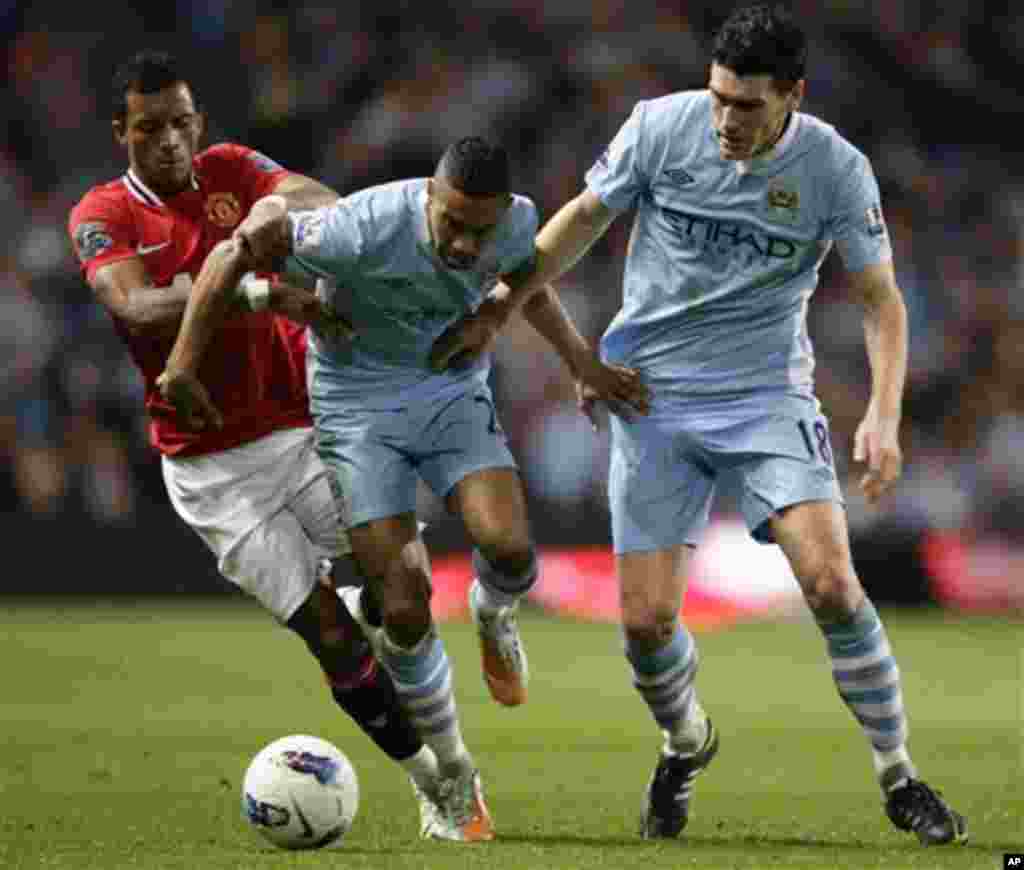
(300, 792)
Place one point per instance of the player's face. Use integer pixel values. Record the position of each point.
(161, 131)
(748, 112)
(461, 225)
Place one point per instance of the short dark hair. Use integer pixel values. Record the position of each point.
(475, 167)
(762, 40)
(145, 73)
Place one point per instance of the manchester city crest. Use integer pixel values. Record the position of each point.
(782, 204)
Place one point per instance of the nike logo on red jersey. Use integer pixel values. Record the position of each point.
(142, 250)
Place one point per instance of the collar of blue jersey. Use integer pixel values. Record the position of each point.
(764, 161)
(142, 193)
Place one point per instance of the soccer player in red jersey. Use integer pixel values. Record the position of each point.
(253, 489)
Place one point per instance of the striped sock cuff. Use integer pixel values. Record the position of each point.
(896, 775)
(665, 679)
(680, 647)
(414, 666)
(498, 584)
(855, 636)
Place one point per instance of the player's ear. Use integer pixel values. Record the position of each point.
(120, 131)
(796, 96)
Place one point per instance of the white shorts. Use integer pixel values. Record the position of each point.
(267, 512)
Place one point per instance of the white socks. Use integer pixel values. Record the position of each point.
(491, 600)
(886, 760)
(422, 768)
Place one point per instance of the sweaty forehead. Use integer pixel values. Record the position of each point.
(477, 211)
(173, 100)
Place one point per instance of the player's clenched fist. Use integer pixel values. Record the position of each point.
(190, 400)
(264, 233)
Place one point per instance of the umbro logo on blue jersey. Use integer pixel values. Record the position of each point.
(680, 176)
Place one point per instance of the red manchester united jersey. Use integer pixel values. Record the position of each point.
(255, 368)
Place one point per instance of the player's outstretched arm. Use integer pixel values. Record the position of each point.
(213, 296)
(561, 243)
(125, 289)
(301, 192)
(617, 385)
(876, 441)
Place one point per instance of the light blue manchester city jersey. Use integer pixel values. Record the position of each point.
(375, 251)
(724, 256)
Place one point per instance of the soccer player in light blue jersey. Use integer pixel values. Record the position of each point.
(409, 259)
(739, 197)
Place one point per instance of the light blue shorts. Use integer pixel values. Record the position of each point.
(666, 467)
(375, 456)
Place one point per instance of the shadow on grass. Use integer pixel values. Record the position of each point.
(752, 840)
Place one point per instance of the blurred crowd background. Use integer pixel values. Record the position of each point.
(357, 93)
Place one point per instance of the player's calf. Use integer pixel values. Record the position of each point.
(402, 590)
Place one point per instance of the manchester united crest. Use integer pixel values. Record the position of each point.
(223, 210)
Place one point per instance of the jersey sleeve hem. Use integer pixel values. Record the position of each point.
(93, 266)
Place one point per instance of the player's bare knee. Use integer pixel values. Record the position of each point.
(832, 590)
(648, 628)
(405, 599)
(414, 566)
(505, 544)
(405, 621)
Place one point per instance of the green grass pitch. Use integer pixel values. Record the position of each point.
(126, 728)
